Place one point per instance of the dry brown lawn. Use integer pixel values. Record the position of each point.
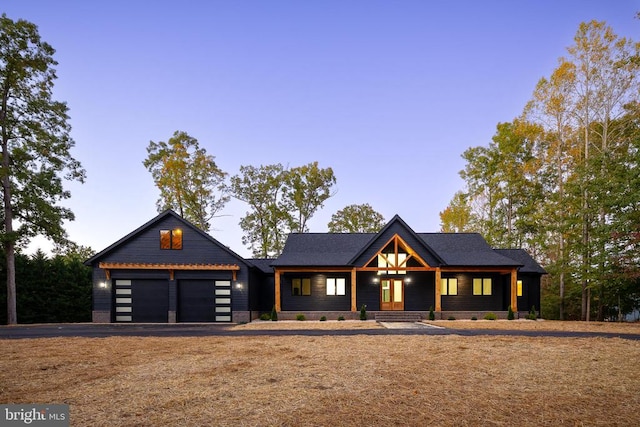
(328, 380)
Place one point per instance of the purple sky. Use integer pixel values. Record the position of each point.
(387, 93)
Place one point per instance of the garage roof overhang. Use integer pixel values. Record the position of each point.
(108, 266)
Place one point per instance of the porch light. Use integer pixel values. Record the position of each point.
(103, 285)
(239, 285)
(376, 280)
(407, 279)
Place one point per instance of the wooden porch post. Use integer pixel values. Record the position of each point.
(354, 306)
(277, 290)
(514, 290)
(438, 289)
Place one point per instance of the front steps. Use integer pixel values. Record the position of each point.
(398, 316)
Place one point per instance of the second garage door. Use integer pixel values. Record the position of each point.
(204, 301)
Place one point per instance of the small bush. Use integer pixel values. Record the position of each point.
(274, 314)
(474, 318)
(323, 319)
(451, 318)
(533, 315)
(510, 314)
(490, 316)
(265, 316)
(340, 318)
(432, 315)
(300, 317)
(363, 312)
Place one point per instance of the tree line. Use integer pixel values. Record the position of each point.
(562, 180)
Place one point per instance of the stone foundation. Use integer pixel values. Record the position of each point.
(241, 317)
(100, 316)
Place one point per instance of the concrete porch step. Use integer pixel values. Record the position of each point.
(398, 316)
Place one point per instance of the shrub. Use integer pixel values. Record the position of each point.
(274, 313)
(265, 316)
(533, 315)
(474, 318)
(490, 316)
(301, 317)
(451, 318)
(340, 318)
(510, 315)
(432, 315)
(323, 319)
(363, 312)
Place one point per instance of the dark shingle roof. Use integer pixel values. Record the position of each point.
(321, 249)
(529, 264)
(466, 249)
(262, 264)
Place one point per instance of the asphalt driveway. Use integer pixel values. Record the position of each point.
(90, 330)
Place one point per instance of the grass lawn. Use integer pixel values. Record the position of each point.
(329, 380)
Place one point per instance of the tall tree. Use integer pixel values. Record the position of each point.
(356, 219)
(36, 145)
(265, 223)
(305, 191)
(188, 178)
(280, 200)
(457, 217)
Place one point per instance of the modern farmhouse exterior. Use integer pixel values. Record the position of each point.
(170, 271)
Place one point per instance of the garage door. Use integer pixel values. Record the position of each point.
(142, 301)
(204, 301)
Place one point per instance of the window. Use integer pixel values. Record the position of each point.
(519, 288)
(398, 260)
(171, 239)
(336, 286)
(300, 287)
(482, 286)
(449, 286)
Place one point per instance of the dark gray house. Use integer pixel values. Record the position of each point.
(170, 271)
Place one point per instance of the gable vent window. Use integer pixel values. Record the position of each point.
(171, 239)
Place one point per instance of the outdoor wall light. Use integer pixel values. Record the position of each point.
(103, 285)
(376, 280)
(407, 279)
(239, 285)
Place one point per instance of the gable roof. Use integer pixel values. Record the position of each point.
(151, 223)
(262, 264)
(399, 225)
(449, 249)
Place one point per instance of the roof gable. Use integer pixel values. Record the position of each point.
(413, 244)
(142, 244)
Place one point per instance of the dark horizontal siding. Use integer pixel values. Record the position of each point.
(466, 301)
(367, 291)
(318, 300)
(419, 292)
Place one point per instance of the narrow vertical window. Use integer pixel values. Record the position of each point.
(519, 288)
(165, 239)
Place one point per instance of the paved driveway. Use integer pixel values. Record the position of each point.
(89, 330)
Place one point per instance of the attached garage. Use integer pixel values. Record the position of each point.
(169, 271)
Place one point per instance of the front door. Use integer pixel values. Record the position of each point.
(391, 294)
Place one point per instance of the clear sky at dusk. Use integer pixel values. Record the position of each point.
(387, 93)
